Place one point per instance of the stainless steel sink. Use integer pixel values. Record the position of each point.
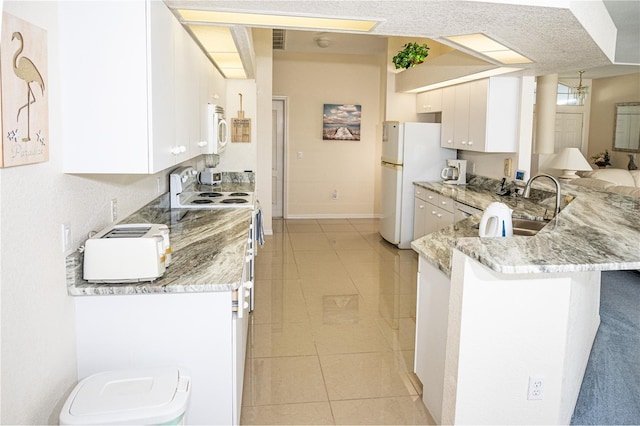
(528, 227)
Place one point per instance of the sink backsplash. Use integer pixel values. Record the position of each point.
(538, 195)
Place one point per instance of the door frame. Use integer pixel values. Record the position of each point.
(285, 159)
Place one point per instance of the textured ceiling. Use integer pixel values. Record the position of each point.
(552, 37)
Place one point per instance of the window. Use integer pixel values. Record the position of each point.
(565, 96)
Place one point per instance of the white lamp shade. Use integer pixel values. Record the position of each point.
(570, 160)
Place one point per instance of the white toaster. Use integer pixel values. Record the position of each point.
(127, 253)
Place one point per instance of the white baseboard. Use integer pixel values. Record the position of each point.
(333, 216)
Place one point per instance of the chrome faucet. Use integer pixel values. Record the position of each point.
(527, 189)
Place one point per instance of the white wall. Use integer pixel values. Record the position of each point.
(240, 156)
(605, 93)
(37, 322)
(349, 167)
(263, 42)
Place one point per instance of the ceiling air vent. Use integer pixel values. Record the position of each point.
(278, 39)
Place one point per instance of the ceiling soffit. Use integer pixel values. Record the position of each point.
(551, 36)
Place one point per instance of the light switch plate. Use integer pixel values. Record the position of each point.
(66, 237)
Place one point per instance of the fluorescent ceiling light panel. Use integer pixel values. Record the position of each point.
(276, 21)
(218, 39)
(508, 57)
(221, 48)
(226, 59)
(488, 47)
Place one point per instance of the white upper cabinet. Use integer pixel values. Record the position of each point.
(482, 115)
(129, 86)
(447, 127)
(430, 101)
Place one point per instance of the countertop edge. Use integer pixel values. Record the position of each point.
(575, 246)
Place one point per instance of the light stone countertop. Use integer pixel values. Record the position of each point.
(596, 231)
(208, 249)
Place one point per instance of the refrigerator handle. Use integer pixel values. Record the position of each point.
(392, 166)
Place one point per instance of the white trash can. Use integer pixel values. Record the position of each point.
(152, 396)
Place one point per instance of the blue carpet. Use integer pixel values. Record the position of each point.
(610, 392)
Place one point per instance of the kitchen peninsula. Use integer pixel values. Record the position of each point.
(512, 342)
(189, 318)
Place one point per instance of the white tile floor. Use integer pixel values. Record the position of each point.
(331, 338)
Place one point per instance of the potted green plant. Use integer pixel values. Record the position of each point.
(602, 160)
(411, 55)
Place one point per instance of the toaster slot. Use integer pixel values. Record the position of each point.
(129, 232)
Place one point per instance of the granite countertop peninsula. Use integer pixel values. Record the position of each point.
(208, 249)
(594, 230)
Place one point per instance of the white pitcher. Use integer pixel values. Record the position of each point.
(496, 221)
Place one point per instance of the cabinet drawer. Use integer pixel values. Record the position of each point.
(446, 203)
(426, 195)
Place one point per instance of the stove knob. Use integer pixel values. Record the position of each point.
(248, 285)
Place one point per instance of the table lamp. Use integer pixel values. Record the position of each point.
(569, 160)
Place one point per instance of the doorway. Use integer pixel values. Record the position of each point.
(569, 131)
(278, 143)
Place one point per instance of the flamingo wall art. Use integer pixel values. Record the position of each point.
(25, 109)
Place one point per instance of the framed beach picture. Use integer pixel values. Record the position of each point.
(341, 122)
(24, 93)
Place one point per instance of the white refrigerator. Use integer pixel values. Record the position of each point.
(410, 152)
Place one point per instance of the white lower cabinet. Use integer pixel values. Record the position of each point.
(432, 212)
(432, 315)
(197, 332)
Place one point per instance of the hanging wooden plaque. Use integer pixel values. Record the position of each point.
(240, 130)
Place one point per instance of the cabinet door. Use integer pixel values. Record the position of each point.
(162, 118)
(103, 86)
(502, 114)
(432, 314)
(206, 91)
(183, 79)
(461, 116)
(478, 92)
(240, 330)
(419, 218)
(446, 218)
(432, 219)
(430, 101)
(448, 117)
(190, 330)
(194, 97)
(436, 218)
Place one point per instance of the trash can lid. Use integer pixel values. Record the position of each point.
(152, 395)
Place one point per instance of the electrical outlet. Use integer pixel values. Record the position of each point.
(114, 209)
(299, 155)
(536, 388)
(158, 186)
(335, 194)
